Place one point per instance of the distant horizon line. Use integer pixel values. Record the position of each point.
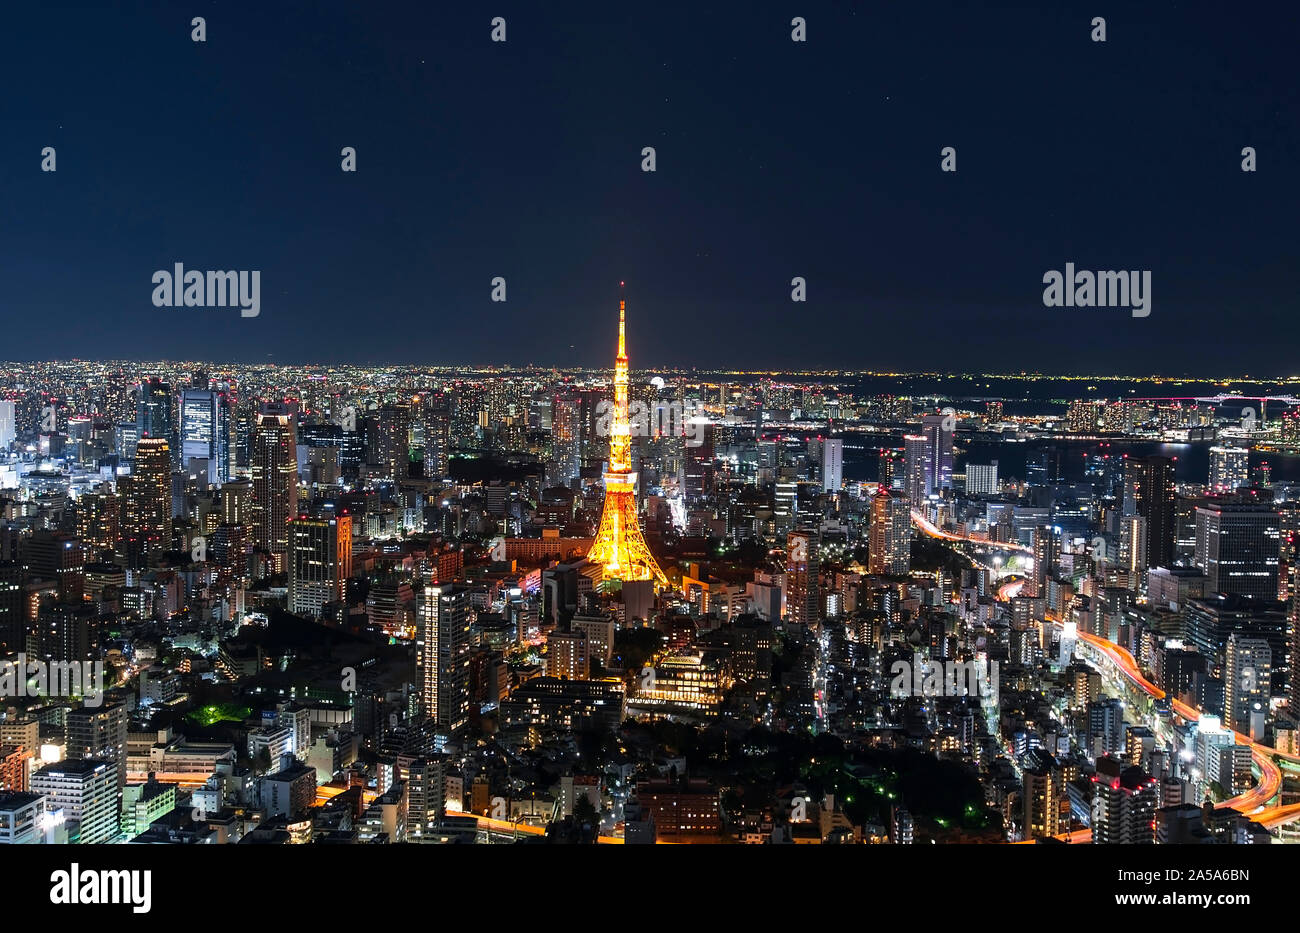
(682, 370)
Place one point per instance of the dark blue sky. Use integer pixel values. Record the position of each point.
(775, 159)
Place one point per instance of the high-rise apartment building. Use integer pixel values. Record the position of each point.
(1124, 801)
(1229, 469)
(445, 636)
(146, 524)
(889, 545)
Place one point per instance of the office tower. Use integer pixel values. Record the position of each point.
(938, 431)
(125, 438)
(917, 469)
(1106, 727)
(275, 486)
(802, 570)
(599, 633)
(1237, 545)
(982, 479)
(237, 502)
(1124, 801)
(1229, 469)
(992, 412)
(832, 464)
(566, 438)
(320, 562)
(88, 793)
(889, 545)
(445, 625)
(619, 546)
(205, 432)
(99, 733)
(1247, 677)
(1149, 488)
(23, 818)
(154, 415)
(8, 425)
(146, 525)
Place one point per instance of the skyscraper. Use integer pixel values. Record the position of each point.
(1047, 554)
(832, 464)
(938, 431)
(619, 545)
(8, 426)
(392, 441)
(917, 469)
(154, 415)
(445, 630)
(147, 504)
(802, 572)
(275, 486)
(889, 548)
(1149, 492)
(566, 437)
(1238, 547)
(320, 562)
(205, 432)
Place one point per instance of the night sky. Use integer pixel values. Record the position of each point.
(775, 159)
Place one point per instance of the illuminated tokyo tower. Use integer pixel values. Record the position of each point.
(619, 544)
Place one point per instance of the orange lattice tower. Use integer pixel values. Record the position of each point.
(619, 546)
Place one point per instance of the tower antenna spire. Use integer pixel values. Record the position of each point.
(622, 323)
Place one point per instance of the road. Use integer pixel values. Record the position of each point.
(929, 528)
